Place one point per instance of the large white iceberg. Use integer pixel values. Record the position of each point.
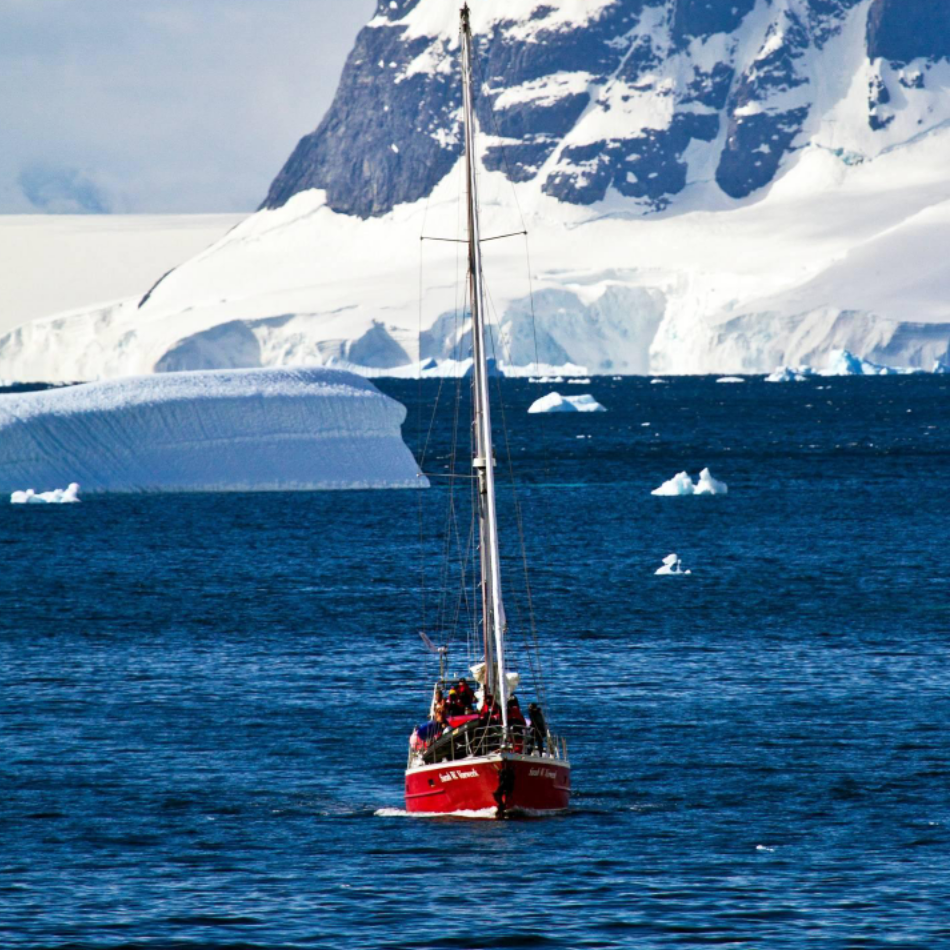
(681, 484)
(555, 402)
(224, 430)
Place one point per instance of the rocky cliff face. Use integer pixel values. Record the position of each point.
(635, 97)
(709, 186)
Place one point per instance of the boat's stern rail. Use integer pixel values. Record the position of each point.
(478, 739)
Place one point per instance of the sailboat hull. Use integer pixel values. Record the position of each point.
(495, 786)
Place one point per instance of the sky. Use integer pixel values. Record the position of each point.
(160, 106)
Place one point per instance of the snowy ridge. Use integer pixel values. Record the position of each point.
(707, 189)
(245, 430)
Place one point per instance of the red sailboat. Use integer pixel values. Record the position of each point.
(479, 754)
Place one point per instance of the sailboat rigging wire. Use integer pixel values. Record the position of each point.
(532, 650)
(497, 237)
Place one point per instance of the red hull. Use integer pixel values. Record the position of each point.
(503, 783)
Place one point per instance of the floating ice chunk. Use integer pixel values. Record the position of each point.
(555, 402)
(58, 496)
(707, 485)
(730, 379)
(681, 484)
(845, 363)
(786, 374)
(546, 379)
(941, 369)
(658, 382)
(222, 430)
(672, 564)
(578, 382)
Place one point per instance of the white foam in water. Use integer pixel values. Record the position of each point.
(478, 813)
(555, 402)
(224, 430)
(672, 564)
(681, 485)
(58, 496)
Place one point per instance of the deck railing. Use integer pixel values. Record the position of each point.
(477, 739)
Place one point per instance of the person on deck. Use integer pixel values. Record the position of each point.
(516, 723)
(539, 728)
(452, 705)
(489, 708)
(438, 703)
(465, 695)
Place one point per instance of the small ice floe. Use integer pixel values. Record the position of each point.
(788, 374)
(555, 402)
(672, 564)
(658, 382)
(545, 379)
(681, 484)
(762, 847)
(730, 379)
(578, 382)
(616, 379)
(58, 496)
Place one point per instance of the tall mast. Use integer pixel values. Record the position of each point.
(493, 611)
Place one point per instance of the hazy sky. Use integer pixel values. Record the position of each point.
(161, 105)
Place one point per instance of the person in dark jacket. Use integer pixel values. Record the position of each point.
(465, 695)
(539, 728)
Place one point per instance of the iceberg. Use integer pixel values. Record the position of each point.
(681, 485)
(58, 496)
(730, 379)
(845, 363)
(941, 369)
(555, 402)
(786, 374)
(842, 363)
(579, 382)
(216, 430)
(672, 564)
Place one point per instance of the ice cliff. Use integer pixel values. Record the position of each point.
(709, 185)
(233, 430)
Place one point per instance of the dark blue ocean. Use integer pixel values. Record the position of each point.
(205, 700)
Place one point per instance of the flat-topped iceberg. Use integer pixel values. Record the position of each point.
(220, 430)
(555, 402)
(681, 484)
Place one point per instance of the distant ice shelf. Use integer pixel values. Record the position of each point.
(223, 430)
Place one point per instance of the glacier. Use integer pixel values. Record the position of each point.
(706, 188)
(224, 430)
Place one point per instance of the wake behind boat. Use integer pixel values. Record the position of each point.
(479, 753)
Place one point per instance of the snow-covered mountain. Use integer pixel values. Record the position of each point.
(708, 186)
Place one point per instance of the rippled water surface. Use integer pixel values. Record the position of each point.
(205, 700)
